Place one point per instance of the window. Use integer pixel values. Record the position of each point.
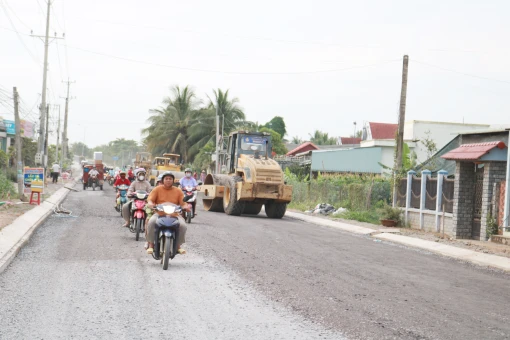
(254, 143)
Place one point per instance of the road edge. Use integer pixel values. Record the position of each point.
(466, 255)
(47, 206)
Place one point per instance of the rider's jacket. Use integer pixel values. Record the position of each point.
(121, 181)
(93, 172)
(188, 182)
(137, 185)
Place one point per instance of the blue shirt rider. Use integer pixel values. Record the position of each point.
(188, 180)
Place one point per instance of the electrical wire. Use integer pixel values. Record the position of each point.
(231, 72)
(461, 73)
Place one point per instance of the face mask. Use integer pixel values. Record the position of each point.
(141, 178)
(188, 175)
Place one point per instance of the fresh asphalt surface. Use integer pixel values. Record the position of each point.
(243, 278)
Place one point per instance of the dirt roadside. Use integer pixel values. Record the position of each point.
(486, 247)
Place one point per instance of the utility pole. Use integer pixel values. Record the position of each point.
(41, 142)
(64, 134)
(19, 160)
(45, 152)
(58, 138)
(217, 138)
(401, 123)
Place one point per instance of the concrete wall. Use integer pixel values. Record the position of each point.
(429, 221)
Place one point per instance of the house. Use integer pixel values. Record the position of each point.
(381, 138)
(481, 189)
(307, 146)
(351, 141)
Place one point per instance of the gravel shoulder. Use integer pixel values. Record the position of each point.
(87, 278)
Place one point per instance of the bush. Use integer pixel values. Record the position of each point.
(390, 213)
(6, 186)
(362, 216)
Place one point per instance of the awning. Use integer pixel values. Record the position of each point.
(473, 151)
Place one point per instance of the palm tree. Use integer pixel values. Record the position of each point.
(322, 138)
(204, 124)
(169, 125)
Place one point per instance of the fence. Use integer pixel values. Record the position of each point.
(359, 195)
(426, 197)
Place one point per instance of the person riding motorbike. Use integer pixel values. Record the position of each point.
(166, 193)
(139, 184)
(130, 174)
(121, 180)
(188, 181)
(92, 172)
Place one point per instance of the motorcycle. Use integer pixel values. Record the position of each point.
(93, 180)
(167, 229)
(190, 197)
(138, 214)
(122, 199)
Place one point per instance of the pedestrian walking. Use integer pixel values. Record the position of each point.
(55, 172)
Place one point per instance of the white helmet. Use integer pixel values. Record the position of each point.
(140, 174)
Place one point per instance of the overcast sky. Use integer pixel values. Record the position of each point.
(319, 64)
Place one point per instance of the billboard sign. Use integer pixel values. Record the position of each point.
(33, 178)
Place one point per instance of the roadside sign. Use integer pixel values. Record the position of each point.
(33, 180)
(115, 158)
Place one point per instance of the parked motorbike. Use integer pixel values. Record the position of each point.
(138, 214)
(167, 229)
(122, 199)
(190, 197)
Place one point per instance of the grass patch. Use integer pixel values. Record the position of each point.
(368, 216)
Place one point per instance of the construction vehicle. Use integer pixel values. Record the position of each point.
(253, 179)
(143, 160)
(169, 162)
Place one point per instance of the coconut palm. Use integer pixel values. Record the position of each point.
(170, 124)
(203, 129)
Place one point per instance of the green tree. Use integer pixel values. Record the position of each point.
(170, 124)
(81, 149)
(203, 158)
(28, 151)
(277, 124)
(203, 129)
(296, 140)
(276, 139)
(322, 138)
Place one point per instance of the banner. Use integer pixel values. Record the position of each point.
(27, 128)
(10, 127)
(35, 175)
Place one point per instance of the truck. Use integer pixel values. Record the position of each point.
(253, 180)
(143, 160)
(169, 162)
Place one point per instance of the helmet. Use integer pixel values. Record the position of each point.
(187, 170)
(140, 170)
(167, 173)
(160, 178)
(122, 172)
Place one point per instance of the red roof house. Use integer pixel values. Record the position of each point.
(302, 148)
(349, 140)
(382, 130)
(473, 151)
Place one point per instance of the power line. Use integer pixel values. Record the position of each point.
(462, 73)
(229, 72)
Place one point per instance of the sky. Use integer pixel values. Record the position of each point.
(321, 65)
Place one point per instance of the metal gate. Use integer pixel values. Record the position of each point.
(477, 213)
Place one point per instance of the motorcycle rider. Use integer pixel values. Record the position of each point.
(166, 193)
(188, 181)
(121, 180)
(131, 175)
(139, 184)
(92, 172)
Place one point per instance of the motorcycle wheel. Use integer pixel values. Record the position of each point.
(167, 249)
(101, 187)
(84, 186)
(121, 210)
(188, 217)
(138, 228)
(94, 186)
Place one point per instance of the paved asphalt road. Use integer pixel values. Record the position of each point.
(244, 278)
